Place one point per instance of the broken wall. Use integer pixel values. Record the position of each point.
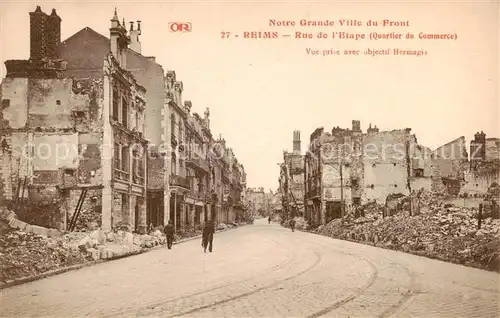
(478, 182)
(450, 160)
(155, 172)
(15, 101)
(492, 149)
(49, 103)
(15, 164)
(387, 164)
(90, 153)
(53, 151)
(90, 213)
(421, 183)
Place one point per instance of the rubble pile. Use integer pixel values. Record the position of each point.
(188, 233)
(222, 226)
(26, 254)
(300, 223)
(440, 231)
(277, 218)
(27, 250)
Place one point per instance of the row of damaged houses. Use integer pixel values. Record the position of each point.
(346, 168)
(96, 134)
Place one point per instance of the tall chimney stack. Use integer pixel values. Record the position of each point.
(135, 44)
(38, 43)
(296, 142)
(53, 34)
(45, 34)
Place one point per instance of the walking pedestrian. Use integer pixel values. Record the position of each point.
(269, 219)
(169, 232)
(292, 225)
(208, 236)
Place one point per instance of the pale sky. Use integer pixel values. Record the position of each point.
(260, 90)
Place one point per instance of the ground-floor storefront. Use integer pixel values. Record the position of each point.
(313, 213)
(155, 209)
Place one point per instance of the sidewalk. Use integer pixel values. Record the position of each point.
(23, 280)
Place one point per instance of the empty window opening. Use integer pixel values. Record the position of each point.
(5, 103)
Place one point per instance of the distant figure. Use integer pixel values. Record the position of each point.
(169, 232)
(292, 225)
(269, 219)
(208, 236)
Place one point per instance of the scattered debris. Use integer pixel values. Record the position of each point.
(27, 252)
(441, 231)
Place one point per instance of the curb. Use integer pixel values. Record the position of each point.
(27, 279)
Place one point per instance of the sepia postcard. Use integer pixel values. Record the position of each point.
(250, 158)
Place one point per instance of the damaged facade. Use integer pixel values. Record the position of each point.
(231, 178)
(484, 169)
(347, 168)
(69, 139)
(257, 200)
(84, 52)
(291, 179)
(134, 155)
(205, 179)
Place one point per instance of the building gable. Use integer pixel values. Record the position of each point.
(85, 50)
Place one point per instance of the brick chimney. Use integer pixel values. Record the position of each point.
(53, 35)
(371, 130)
(38, 42)
(296, 142)
(135, 44)
(45, 35)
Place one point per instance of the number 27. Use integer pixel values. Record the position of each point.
(225, 35)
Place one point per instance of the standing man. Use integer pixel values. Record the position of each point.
(208, 235)
(269, 219)
(169, 232)
(292, 225)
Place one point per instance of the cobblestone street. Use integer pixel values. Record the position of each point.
(263, 270)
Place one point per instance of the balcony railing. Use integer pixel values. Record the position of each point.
(137, 179)
(197, 162)
(225, 175)
(121, 175)
(178, 181)
(202, 196)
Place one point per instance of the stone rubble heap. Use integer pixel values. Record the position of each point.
(27, 252)
(300, 223)
(440, 231)
(24, 252)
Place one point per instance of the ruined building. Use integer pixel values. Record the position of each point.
(257, 200)
(292, 179)
(75, 136)
(346, 168)
(484, 165)
(84, 52)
